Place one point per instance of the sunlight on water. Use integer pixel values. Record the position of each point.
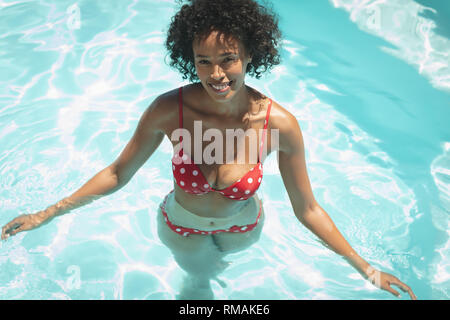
(75, 78)
(400, 22)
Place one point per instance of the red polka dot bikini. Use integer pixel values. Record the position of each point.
(189, 178)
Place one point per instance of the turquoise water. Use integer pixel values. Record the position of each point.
(368, 83)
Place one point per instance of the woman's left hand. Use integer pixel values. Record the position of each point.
(384, 281)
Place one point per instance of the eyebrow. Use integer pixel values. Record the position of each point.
(222, 55)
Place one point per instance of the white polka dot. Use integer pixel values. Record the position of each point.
(178, 230)
(206, 186)
(247, 191)
(186, 234)
(235, 189)
(196, 230)
(203, 233)
(251, 169)
(194, 184)
(182, 170)
(182, 183)
(184, 157)
(239, 180)
(259, 179)
(250, 180)
(265, 122)
(165, 219)
(232, 197)
(243, 228)
(241, 198)
(195, 172)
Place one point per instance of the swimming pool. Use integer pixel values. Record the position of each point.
(368, 83)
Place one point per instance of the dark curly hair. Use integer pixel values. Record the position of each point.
(246, 20)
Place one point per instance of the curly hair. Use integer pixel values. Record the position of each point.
(256, 26)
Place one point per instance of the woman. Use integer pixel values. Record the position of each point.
(213, 209)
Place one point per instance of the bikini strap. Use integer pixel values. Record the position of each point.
(266, 122)
(180, 115)
(180, 107)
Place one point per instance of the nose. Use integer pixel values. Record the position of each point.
(217, 72)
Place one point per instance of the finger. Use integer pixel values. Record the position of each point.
(412, 295)
(4, 233)
(13, 227)
(8, 228)
(13, 230)
(401, 285)
(4, 236)
(405, 288)
(394, 292)
(5, 228)
(19, 229)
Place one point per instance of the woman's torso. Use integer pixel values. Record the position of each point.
(222, 174)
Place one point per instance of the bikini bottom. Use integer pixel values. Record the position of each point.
(185, 222)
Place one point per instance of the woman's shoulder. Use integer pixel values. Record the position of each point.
(163, 111)
(290, 133)
(170, 100)
(165, 102)
(280, 118)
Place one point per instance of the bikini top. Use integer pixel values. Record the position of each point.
(189, 177)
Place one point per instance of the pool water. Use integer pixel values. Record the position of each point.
(369, 83)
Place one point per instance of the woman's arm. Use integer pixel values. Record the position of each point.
(293, 170)
(146, 139)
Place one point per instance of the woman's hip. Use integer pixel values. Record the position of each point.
(185, 222)
(182, 230)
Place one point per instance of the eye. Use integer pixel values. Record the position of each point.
(228, 59)
(203, 62)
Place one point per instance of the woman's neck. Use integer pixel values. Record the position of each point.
(235, 108)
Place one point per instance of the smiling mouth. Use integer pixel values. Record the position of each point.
(221, 87)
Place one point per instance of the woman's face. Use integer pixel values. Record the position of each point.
(221, 64)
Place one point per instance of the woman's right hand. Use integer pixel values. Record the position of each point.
(22, 223)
